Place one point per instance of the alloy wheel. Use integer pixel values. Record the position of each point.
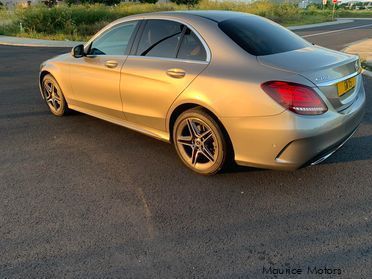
(197, 143)
(52, 96)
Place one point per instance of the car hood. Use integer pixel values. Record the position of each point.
(60, 57)
(315, 63)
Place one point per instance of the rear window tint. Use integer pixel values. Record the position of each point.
(191, 48)
(259, 36)
(160, 38)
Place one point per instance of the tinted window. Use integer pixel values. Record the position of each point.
(191, 48)
(115, 41)
(259, 36)
(160, 38)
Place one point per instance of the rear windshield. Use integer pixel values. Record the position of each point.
(259, 36)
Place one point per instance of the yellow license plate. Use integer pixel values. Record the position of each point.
(345, 86)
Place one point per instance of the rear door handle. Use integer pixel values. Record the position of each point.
(111, 63)
(176, 73)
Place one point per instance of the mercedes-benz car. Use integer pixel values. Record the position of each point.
(221, 86)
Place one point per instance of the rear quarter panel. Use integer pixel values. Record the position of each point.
(230, 85)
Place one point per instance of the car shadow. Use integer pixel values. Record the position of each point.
(356, 149)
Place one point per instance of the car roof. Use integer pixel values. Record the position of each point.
(216, 16)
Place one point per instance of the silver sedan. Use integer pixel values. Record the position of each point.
(221, 86)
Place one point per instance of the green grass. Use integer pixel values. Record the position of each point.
(79, 22)
(7, 22)
(354, 13)
(6, 16)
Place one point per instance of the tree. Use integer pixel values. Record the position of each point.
(50, 3)
(72, 2)
(189, 3)
(149, 1)
(106, 2)
(111, 2)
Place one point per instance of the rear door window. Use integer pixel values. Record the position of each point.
(259, 36)
(191, 47)
(160, 38)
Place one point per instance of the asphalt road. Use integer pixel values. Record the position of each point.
(338, 36)
(80, 197)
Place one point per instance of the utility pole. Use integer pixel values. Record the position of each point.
(334, 8)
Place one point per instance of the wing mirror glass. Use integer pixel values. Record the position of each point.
(78, 51)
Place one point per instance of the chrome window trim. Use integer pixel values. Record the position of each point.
(107, 29)
(206, 48)
(169, 59)
(333, 82)
(141, 18)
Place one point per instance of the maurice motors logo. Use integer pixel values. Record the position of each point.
(310, 270)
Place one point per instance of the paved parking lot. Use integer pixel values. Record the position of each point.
(80, 197)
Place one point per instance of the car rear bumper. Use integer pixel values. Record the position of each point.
(288, 141)
(329, 151)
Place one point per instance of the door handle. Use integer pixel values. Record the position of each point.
(111, 63)
(176, 73)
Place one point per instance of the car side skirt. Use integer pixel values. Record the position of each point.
(160, 135)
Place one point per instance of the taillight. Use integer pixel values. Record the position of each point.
(298, 98)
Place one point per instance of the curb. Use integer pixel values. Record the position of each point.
(364, 72)
(356, 18)
(28, 42)
(308, 26)
(30, 45)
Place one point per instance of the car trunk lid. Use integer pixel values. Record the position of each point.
(324, 67)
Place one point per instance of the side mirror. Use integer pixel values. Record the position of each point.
(78, 51)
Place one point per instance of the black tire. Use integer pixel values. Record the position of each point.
(53, 96)
(214, 146)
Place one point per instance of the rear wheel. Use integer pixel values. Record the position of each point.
(53, 96)
(200, 142)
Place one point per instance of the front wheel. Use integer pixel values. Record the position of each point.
(53, 96)
(200, 142)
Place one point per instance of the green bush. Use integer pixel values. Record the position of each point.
(189, 3)
(354, 13)
(83, 20)
(284, 13)
(149, 1)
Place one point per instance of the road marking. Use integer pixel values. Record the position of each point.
(334, 31)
